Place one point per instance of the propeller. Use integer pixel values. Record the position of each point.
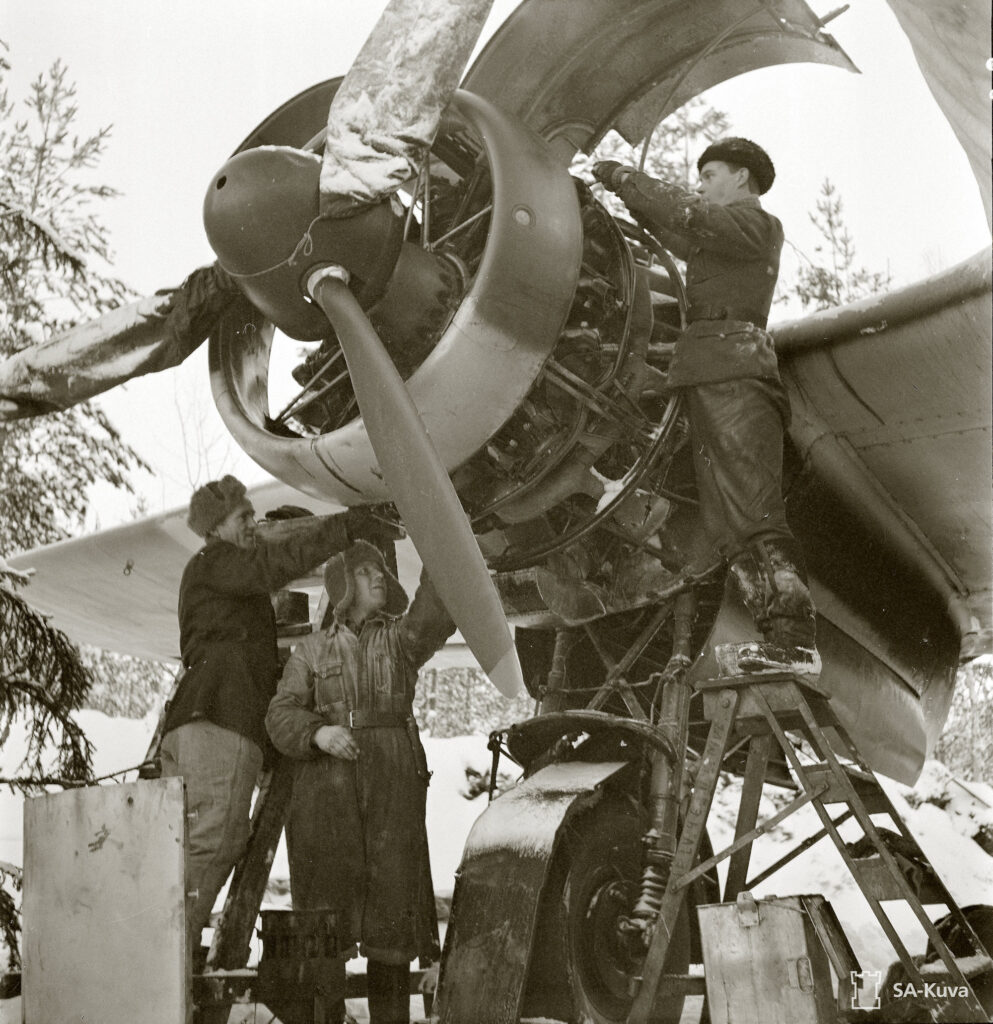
(381, 124)
(419, 484)
(274, 216)
(284, 241)
(145, 336)
(385, 114)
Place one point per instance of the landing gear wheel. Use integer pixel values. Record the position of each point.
(582, 963)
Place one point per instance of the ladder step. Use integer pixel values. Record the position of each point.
(867, 788)
(970, 966)
(876, 881)
(782, 692)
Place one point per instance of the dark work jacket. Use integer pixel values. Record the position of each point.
(227, 627)
(355, 833)
(732, 263)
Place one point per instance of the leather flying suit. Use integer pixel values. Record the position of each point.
(725, 362)
(356, 835)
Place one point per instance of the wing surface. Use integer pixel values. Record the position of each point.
(118, 588)
(891, 399)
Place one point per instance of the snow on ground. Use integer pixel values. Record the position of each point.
(963, 866)
(119, 743)
(943, 833)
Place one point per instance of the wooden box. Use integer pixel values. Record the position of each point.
(105, 905)
(764, 963)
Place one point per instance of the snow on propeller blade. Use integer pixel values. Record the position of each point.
(144, 336)
(280, 237)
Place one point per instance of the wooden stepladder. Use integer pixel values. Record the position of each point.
(762, 709)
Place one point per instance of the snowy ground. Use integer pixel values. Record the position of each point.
(942, 832)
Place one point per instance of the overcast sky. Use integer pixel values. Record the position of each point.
(183, 82)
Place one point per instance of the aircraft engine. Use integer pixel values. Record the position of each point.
(534, 332)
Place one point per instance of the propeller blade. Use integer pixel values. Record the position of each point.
(386, 112)
(145, 336)
(420, 486)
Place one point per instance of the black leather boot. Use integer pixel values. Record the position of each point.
(772, 582)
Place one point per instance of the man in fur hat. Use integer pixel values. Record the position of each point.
(214, 732)
(355, 835)
(725, 363)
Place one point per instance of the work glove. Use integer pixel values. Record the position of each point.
(372, 523)
(611, 174)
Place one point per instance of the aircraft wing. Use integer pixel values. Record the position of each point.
(891, 400)
(118, 588)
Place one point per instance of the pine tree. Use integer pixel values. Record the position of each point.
(832, 278)
(671, 152)
(54, 255)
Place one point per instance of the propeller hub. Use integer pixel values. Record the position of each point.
(261, 214)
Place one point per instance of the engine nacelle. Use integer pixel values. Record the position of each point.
(533, 344)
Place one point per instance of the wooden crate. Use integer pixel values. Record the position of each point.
(764, 963)
(104, 905)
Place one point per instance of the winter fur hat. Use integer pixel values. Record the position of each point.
(742, 153)
(213, 503)
(339, 579)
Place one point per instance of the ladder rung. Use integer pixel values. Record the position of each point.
(970, 966)
(867, 788)
(683, 984)
(876, 881)
(783, 695)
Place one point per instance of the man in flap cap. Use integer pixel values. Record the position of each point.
(355, 834)
(214, 730)
(725, 364)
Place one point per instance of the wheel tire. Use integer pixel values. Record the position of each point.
(579, 971)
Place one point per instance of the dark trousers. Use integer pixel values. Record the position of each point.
(388, 991)
(736, 429)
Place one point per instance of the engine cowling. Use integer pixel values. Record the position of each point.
(534, 342)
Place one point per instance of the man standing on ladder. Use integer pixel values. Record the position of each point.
(214, 732)
(725, 364)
